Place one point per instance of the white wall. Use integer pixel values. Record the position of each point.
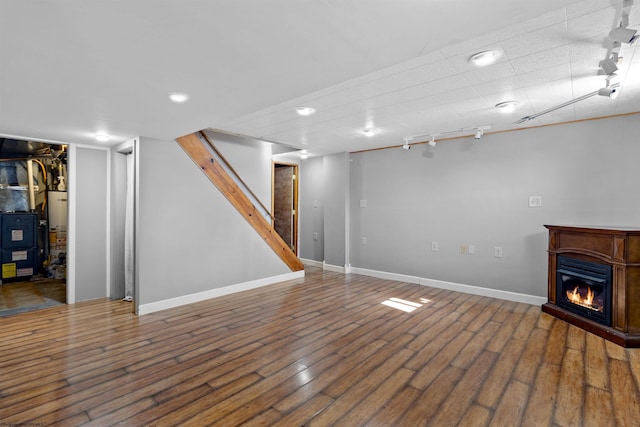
(476, 192)
(190, 239)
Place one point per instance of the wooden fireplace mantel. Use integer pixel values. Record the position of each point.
(617, 247)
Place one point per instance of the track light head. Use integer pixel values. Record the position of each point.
(608, 66)
(480, 131)
(623, 35)
(406, 145)
(611, 91)
(432, 142)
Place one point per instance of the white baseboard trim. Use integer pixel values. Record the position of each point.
(213, 293)
(468, 289)
(323, 265)
(312, 263)
(385, 275)
(334, 268)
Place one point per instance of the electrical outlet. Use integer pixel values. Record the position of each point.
(464, 249)
(434, 246)
(472, 249)
(315, 236)
(535, 201)
(363, 203)
(364, 240)
(498, 251)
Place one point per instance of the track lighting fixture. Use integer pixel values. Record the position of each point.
(617, 35)
(610, 91)
(369, 132)
(623, 35)
(478, 133)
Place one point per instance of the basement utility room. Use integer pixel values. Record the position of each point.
(33, 225)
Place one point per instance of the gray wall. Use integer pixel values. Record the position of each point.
(324, 194)
(91, 219)
(118, 199)
(251, 159)
(311, 206)
(336, 189)
(465, 192)
(189, 237)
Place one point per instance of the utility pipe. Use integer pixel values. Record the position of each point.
(32, 195)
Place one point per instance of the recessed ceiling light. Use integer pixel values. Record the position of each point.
(507, 106)
(102, 137)
(369, 131)
(178, 97)
(305, 111)
(484, 58)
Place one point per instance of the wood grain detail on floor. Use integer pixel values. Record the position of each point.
(317, 351)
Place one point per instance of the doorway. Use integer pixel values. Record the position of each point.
(33, 221)
(285, 203)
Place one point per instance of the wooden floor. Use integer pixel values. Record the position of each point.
(318, 351)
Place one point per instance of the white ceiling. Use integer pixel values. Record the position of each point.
(70, 69)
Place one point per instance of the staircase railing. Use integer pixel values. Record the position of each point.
(202, 151)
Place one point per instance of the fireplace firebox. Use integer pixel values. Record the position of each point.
(584, 288)
(594, 280)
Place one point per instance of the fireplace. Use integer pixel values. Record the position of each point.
(584, 288)
(594, 280)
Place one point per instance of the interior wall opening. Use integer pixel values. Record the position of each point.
(285, 203)
(33, 225)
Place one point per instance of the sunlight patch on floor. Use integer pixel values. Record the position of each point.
(404, 305)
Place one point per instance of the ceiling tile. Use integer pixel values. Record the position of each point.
(502, 70)
(586, 7)
(471, 46)
(541, 60)
(548, 75)
(498, 86)
(536, 41)
(597, 23)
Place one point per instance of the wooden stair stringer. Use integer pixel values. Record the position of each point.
(200, 154)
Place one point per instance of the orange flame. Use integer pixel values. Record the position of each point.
(574, 297)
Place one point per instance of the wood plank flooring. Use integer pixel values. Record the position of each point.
(318, 351)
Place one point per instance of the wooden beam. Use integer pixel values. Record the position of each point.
(200, 154)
